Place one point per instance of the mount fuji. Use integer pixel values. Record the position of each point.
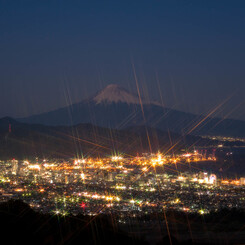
(115, 107)
(114, 93)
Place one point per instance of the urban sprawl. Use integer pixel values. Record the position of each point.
(127, 186)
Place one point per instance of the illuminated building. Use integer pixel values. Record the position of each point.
(213, 179)
(15, 166)
(242, 181)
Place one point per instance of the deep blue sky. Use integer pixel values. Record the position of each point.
(51, 48)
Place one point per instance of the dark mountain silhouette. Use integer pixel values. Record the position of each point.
(26, 140)
(115, 107)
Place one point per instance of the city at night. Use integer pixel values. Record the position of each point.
(122, 122)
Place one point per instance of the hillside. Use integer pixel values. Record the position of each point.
(27, 140)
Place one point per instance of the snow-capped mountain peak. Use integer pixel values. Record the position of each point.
(113, 93)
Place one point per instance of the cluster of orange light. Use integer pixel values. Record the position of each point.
(19, 190)
(98, 197)
(230, 182)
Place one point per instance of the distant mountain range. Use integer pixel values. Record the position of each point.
(21, 140)
(28, 141)
(115, 107)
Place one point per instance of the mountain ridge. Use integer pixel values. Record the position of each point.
(119, 112)
(27, 140)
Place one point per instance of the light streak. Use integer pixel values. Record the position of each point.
(141, 105)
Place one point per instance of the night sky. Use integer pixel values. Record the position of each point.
(52, 49)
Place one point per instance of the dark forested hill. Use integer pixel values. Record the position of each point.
(22, 140)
